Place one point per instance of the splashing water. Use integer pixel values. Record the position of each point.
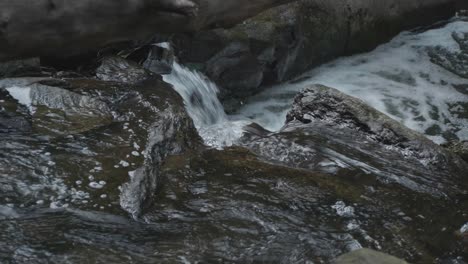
(200, 98)
(398, 79)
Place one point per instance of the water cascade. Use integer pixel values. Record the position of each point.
(397, 78)
(200, 98)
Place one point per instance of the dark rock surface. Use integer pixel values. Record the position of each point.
(70, 142)
(18, 68)
(247, 210)
(459, 148)
(328, 130)
(67, 28)
(285, 41)
(118, 69)
(13, 117)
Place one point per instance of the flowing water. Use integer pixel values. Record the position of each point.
(226, 206)
(203, 105)
(397, 78)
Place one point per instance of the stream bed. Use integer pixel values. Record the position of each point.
(105, 170)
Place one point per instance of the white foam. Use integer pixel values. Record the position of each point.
(343, 210)
(203, 106)
(464, 228)
(397, 79)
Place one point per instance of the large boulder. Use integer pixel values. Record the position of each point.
(65, 28)
(287, 40)
(327, 130)
(88, 143)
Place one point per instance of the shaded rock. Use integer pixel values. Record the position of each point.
(368, 256)
(197, 48)
(156, 58)
(328, 130)
(118, 69)
(160, 59)
(237, 69)
(19, 68)
(65, 29)
(290, 39)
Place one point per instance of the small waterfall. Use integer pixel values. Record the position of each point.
(398, 78)
(199, 94)
(202, 103)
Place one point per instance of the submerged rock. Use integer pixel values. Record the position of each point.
(454, 61)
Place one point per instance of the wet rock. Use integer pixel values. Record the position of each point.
(118, 69)
(459, 148)
(232, 193)
(112, 138)
(153, 124)
(237, 69)
(160, 59)
(327, 130)
(170, 132)
(285, 41)
(454, 61)
(13, 117)
(56, 111)
(368, 256)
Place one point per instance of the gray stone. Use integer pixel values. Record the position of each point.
(118, 69)
(290, 39)
(56, 111)
(327, 130)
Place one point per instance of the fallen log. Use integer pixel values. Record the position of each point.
(47, 27)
